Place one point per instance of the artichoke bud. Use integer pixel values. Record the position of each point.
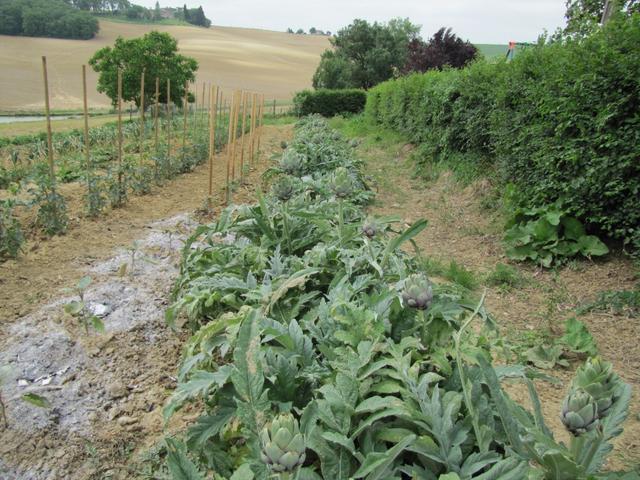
(283, 190)
(370, 228)
(597, 378)
(418, 292)
(579, 412)
(293, 163)
(283, 446)
(341, 183)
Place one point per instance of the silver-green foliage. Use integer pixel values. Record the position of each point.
(309, 322)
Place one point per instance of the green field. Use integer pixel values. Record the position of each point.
(492, 50)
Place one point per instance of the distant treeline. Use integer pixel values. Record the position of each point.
(46, 18)
(312, 31)
(194, 16)
(73, 18)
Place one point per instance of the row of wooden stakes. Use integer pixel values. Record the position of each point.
(244, 107)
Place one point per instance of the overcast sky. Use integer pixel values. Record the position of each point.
(481, 21)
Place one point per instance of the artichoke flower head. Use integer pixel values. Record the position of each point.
(579, 412)
(283, 445)
(371, 227)
(418, 292)
(597, 378)
(341, 183)
(283, 189)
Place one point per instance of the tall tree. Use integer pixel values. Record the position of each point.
(199, 18)
(157, 54)
(157, 13)
(365, 54)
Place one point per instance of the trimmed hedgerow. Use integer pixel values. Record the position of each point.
(560, 122)
(329, 103)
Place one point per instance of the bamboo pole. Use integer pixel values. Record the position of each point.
(245, 98)
(142, 127)
(212, 137)
(169, 126)
(85, 103)
(47, 112)
(119, 131)
(184, 123)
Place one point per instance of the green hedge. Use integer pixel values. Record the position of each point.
(329, 103)
(561, 122)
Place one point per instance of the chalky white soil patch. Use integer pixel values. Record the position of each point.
(104, 389)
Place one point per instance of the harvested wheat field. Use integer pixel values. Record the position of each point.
(276, 64)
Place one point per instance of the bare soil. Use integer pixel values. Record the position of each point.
(462, 230)
(106, 390)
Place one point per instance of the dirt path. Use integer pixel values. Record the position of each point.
(106, 390)
(461, 229)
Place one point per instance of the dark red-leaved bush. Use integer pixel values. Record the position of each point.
(443, 49)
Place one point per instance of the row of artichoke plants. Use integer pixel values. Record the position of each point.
(320, 349)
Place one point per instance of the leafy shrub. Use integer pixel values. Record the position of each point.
(560, 122)
(52, 215)
(548, 235)
(329, 103)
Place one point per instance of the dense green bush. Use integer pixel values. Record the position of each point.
(329, 103)
(560, 122)
(46, 18)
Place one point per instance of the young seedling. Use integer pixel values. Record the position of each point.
(134, 252)
(79, 309)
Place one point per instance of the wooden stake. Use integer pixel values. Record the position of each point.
(169, 125)
(245, 98)
(212, 136)
(236, 114)
(120, 129)
(230, 136)
(254, 109)
(155, 118)
(260, 122)
(142, 126)
(87, 156)
(195, 106)
(184, 124)
(204, 99)
(47, 112)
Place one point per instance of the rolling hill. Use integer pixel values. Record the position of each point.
(277, 64)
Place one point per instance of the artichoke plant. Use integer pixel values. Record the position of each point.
(597, 378)
(579, 412)
(341, 183)
(283, 189)
(283, 446)
(418, 292)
